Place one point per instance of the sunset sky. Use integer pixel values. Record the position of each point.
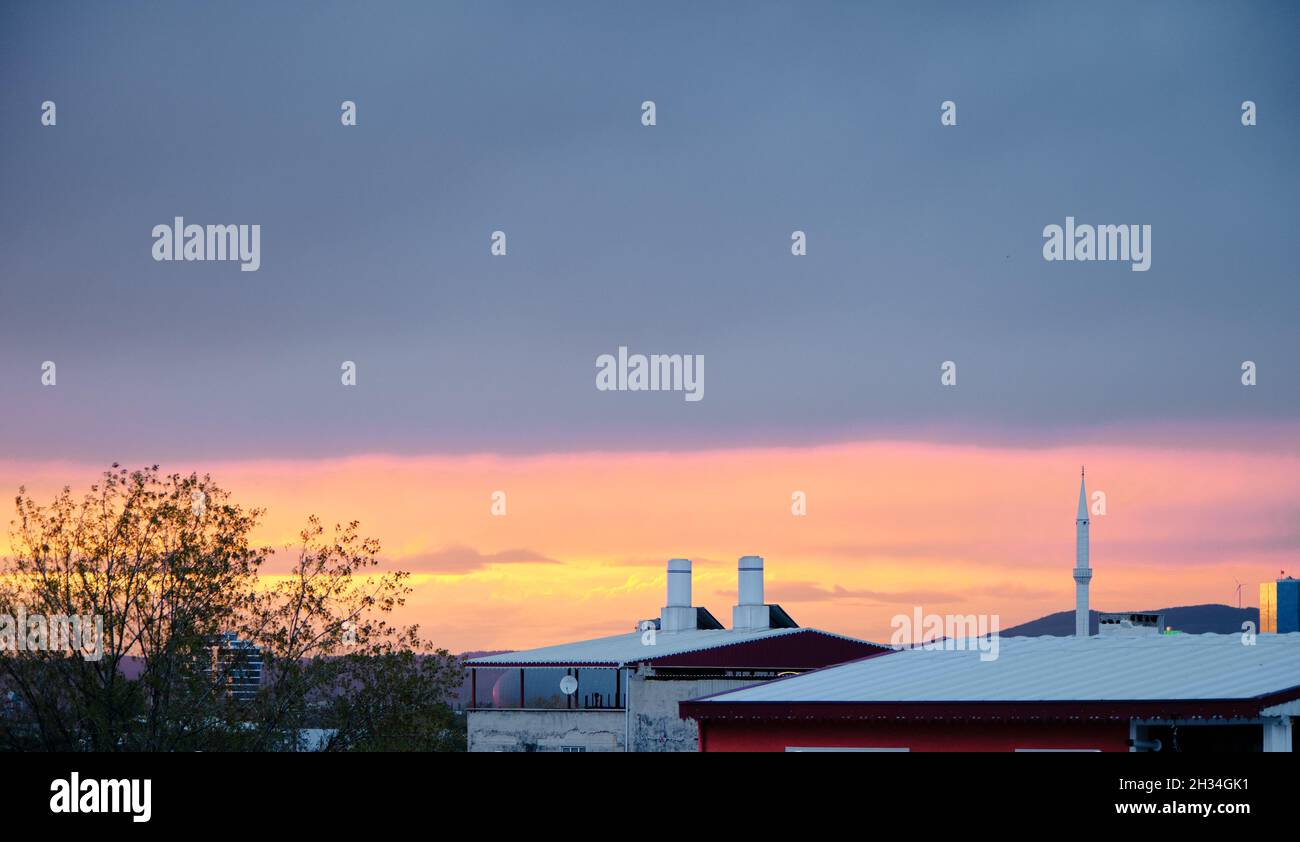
(476, 373)
(582, 547)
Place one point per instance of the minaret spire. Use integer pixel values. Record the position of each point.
(1082, 570)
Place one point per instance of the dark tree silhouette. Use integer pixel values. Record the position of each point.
(165, 565)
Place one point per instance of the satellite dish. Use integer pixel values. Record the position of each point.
(568, 685)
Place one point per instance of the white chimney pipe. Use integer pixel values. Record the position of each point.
(678, 615)
(751, 613)
(679, 582)
(749, 572)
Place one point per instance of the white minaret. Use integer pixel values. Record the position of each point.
(1082, 572)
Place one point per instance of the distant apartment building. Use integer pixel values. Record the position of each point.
(1130, 624)
(1279, 606)
(620, 693)
(236, 663)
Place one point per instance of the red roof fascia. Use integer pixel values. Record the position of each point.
(804, 649)
(1136, 709)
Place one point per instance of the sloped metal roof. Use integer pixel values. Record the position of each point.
(622, 649)
(1052, 669)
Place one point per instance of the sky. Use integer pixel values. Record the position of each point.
(476, 373)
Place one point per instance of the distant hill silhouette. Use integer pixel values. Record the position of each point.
(482, 653)
(1189, 619)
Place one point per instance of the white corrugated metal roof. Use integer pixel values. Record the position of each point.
(621, 649)
(1033, 669)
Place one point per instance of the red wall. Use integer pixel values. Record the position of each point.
(921, 735)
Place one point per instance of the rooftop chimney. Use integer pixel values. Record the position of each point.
(678, 614)
(751, 614)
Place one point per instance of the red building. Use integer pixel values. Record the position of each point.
(1158, 693)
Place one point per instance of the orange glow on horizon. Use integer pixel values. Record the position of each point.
(889, 526)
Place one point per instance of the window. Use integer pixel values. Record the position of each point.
(542, 688)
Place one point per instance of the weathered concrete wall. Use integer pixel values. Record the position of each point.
(545, 730)
(655, 724)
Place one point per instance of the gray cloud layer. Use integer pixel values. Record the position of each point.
(924, 242)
